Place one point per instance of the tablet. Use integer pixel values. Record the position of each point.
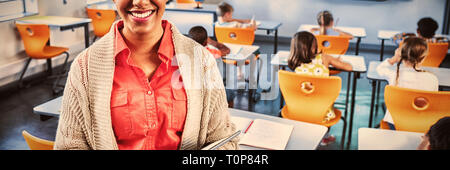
(219, 143)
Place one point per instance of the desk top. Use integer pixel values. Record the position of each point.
(240, 52)
(441, 73)
(358, 32)
(268, 25)
(55, 21)
(387, 34)
(49, 108)
(305, 136)
(104, 6)
(380, 139)
(210, 8)
(357, 62)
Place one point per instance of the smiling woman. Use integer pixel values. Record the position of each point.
(144, 86)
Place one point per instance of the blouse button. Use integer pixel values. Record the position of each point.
(153, 125)
(149, 92)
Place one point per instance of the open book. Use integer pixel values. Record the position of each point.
(263, 133)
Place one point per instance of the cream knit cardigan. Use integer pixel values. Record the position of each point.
(85, 120)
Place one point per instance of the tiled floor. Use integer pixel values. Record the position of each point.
(16, 108)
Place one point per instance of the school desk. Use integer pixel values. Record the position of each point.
(50, 108)
(63, 23)
(183, 16)
(241, 53)
(357, 62)
(441, 73)
(384, 35)
(271, 26)
(380, 139)
(304, 136)
(357, 32)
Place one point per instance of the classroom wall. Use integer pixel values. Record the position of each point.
(372, 15)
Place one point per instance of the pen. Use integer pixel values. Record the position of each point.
(248, 126)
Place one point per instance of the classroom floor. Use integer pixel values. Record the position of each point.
(16, 108)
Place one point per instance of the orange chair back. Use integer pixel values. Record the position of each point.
(35, 38)
(243, 36)
(336, 44)
(36, 143)
(436, 54)
(102, 20)
(407, 116)
(308, 106)
(185, 1)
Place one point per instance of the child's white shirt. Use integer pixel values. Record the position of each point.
(409, 78)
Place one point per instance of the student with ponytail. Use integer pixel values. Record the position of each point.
(404, 69)
(326, 22)
(304, 58)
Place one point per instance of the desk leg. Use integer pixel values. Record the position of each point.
(86, 35)
(357, 46)
(377, 105)
(281, 94)
(352, 108)
(252, 83)
(372, 100)
(382, 50)
(49, 67)
(275, 49)
(348, 93)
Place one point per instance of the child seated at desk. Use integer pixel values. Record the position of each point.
(410, 75)
(426, 29)
(326, 24)
(225, 13)
(200, 35)
(438, 137)
(304, 58)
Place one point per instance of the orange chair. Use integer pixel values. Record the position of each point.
(242, 36)
(102, 20)
(384, 125)
(409, 116)
(185, 1)
(310, 105)
(35, 38)
(36, 143)
(336, 45)
(436, 54)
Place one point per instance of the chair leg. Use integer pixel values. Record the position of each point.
(63, 72)
(343, 133)
(95, 38)
(23, 73)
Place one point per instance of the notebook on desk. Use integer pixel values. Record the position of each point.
(263, 133)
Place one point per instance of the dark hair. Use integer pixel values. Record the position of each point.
(223, 8)
(324, 18)
(414, 50)
(427, 27)
(439, 135)
(199, 34)
(303, 49)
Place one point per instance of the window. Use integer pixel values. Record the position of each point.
(13, 9)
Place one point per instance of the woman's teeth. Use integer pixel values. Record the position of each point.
(141, 15)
